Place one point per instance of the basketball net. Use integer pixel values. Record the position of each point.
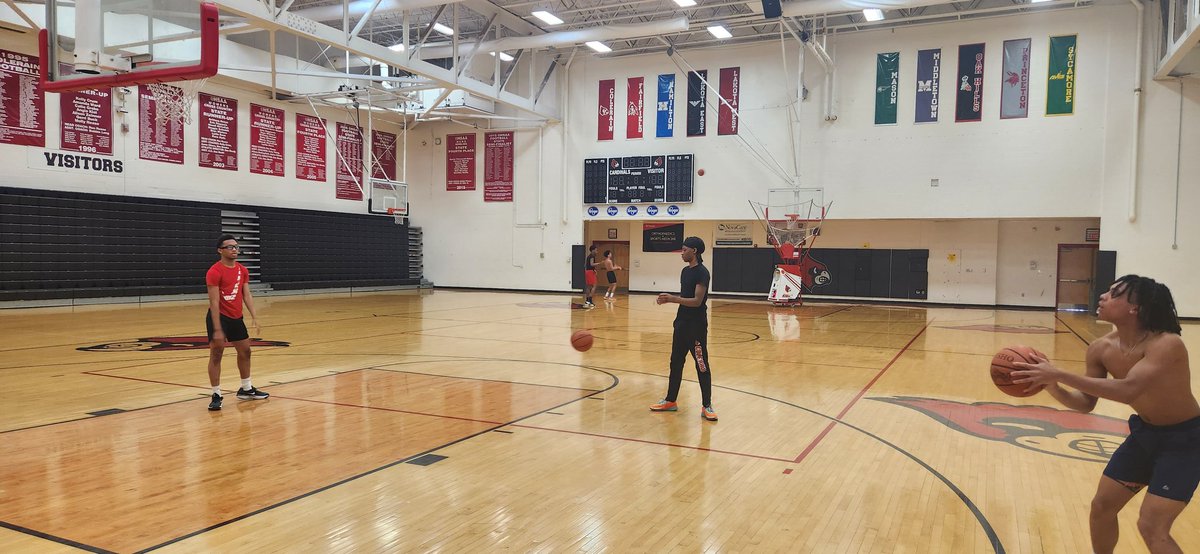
(173, 102)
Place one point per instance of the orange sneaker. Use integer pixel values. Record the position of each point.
(708, 413)
(664, 406)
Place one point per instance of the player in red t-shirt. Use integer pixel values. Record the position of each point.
(228, 288)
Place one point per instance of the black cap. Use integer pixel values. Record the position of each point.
(694, 243)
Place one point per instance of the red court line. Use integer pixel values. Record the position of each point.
(860, 394)
(643, 441)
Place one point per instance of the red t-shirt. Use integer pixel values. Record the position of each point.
(228, 281)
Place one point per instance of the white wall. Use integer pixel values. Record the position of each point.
(1035, 167)
(1161, 240)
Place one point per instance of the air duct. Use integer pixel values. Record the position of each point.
(357, 9)
(565, 38)
(802, 8)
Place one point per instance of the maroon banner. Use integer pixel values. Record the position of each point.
(731, 86)
(349, 163)
(266, 140)
(218, 131)
(158, 141)
(605, 117)
(383, 155)
(498, 166)
(86, 121)
(634, 113)
(460, 162)
(22, 104)
(310, 148)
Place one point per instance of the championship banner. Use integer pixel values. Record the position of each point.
(604, 110)
(310, 148)
(86, 121)
(731, 85)
(1014, 90)
(22, 104)
(696, 103)
(929, 82)
(266, 140)
(666, 106)
(887, 87)
(969, 102)
(1060, 84)
(460, 161)
(498, 158)
(348, 182)
(218, 131)
(636, 104)
(383, 155)
(157, 141)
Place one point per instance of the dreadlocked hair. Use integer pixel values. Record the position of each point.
(1156, 306)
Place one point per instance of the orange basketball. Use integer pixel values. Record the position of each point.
(1002, 365)
(581, 340)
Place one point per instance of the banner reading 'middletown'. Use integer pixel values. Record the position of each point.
(969, 102)
(1060, 85)
(1014, 87)
(887, 87)
(929, 79)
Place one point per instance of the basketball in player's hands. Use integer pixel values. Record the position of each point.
(581, 340)
(1003, 364)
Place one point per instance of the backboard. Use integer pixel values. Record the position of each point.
(93, 44)
(388, 198)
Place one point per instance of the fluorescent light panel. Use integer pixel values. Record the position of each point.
(548, 17)
(873, 14)
(443, 29)
(719, 31)
(685, 3)
(1037, 1)
(598, 46)
(503, 56)
(398, 47)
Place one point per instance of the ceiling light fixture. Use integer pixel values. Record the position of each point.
(598, 46)
(873, 14)
(443, 29)
(548, 17)
(685, 3)
(503, 56)
(719, 31)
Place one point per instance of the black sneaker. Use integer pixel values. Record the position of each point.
(215, 404)
(251, 394)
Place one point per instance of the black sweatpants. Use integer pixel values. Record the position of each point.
(690, 336)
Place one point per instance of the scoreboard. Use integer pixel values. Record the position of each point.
(638, 179)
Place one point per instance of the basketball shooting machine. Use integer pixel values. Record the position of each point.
(792, 219)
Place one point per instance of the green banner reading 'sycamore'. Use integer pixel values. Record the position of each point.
(887, 87)
(1060, 84)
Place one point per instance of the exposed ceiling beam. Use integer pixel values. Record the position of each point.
(306, 28)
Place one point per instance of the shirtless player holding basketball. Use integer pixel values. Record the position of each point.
(1148, 363)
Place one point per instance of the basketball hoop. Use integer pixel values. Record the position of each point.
(173, 101)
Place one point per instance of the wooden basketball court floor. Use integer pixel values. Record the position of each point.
(462, 421)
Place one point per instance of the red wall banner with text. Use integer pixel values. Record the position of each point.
(86, 121)
(266, 140)
(604, 109)
(158, 140)
(22, 104)
(310, 148)
(731, 91)
(218, 131)
(349, 162)
(383, 155)
(498, 166)
(460, 162)
(635, 108)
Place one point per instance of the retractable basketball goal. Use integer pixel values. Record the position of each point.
(793, 223)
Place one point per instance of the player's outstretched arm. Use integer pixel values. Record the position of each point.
(1077, 400)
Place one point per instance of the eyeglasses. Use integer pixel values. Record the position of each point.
(229, 247)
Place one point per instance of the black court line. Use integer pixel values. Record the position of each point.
(1072, 330)
(52, 538)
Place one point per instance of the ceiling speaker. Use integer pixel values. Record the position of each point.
(772, 9)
